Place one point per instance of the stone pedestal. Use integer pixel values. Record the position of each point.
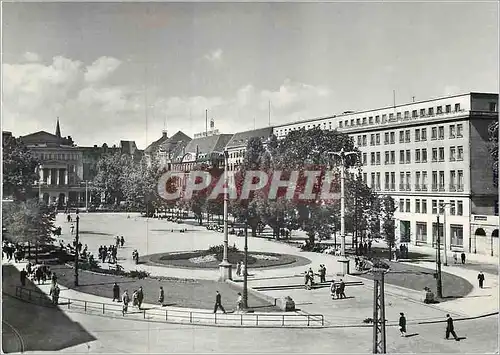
(225, 269)
(345, 266)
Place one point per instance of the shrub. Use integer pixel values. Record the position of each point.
(219, 249)
(140, 274)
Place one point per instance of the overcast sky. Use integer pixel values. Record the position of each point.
(122, 71)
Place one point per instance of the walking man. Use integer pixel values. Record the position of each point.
(480, 278)
(23, 276)
(116, 292)
(140, 297)
(239, 303)
(402, 324)
(342, 289)
(161, 297)
(450, 329)
(462, 256)
(322, 273)
(125, 300)
(218, 303)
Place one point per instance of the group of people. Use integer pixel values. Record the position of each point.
(13, 251)
(137, 297)
(309, 276)
(38, 273)
(240, 268)
(462, 258)
(450, 328)
(337, 289)
(108, 253)
(365, 249)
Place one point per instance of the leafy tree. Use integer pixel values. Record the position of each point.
(19, 170)
(374, 214)
(29, 221)
(112, 170)
(388, 224)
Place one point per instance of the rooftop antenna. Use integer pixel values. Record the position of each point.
(269, 113)
(206, 123)
(394, 98)
(413, 99)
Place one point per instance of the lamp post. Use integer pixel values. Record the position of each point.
(76, 247)
(443, 208)
(439, 286)
(225, 265)
(343, 155)
(245, 262)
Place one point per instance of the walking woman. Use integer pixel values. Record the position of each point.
(161, 297)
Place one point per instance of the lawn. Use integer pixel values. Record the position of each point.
(180, 293)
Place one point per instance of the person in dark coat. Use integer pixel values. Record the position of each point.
(218, 303)
(480, 278)
(402, 324)
(342, 289)
(322, 273)
(38, 274)
(450, 329)
(140, 297)
(462, 256)
(23, 275)
(116, 292)
(161, 297)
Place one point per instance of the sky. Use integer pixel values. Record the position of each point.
(126, 71)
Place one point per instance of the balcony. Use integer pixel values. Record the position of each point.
(460, 188)
(423, 187)
(453, 187)
(377, 188)
(434, 187)
(393, 187)
(417, 187)
(452, 158)
(441, 188)
(408, 187)
(402, 187)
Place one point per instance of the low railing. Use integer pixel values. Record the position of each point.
(178, 315)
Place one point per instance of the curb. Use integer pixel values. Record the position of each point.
(237, 286)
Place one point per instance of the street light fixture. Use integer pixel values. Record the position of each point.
(343, 155)
(443, 208)
(225, 265)
(76, 247)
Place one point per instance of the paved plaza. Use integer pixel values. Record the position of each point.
(150, 236)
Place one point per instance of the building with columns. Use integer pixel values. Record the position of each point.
(61, 168)
(432, 157)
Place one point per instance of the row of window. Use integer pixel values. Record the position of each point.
(437, 133)
(456, 153)
(456, 181)
(455, 234)
(399, 115)
(56, 156)
(456, 207)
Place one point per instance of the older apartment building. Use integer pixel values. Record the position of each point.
(432, 158)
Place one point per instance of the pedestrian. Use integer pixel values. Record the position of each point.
(54, 278)
(333, 289)
(243, 270)
(54, 292)
(218, 303)
(450, 329)
(140, 297)
(161, 297)
(238, 268)
(72, 229)
(38, 274)
(342, 289)
(480, 278)
(28, 267)
(116, 292)
(369, 247)
(455, 258)
(23, 275)
(402, 324)
(462, 256)
(322, 273)
(125, 300)
(239, 303)
(122, 241)
(306, 281)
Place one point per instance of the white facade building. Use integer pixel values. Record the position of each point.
(425, 155)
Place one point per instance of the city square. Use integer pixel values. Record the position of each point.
(250, 177)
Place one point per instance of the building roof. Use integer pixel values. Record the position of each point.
(206, 145)
(241, 138)
(46, 139)
(171, 144)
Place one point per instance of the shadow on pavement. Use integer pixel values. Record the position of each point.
(411, 335)
(39, 328)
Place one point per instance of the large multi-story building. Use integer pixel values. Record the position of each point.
(61, 168)
(432, 157)
(237, 146)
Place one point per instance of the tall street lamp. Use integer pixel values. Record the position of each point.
(343, 155)
(225, 265)
(76, 247)
(439, 286)
(443, 208)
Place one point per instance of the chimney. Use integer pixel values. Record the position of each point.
(164, 133)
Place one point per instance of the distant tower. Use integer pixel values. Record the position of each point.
(58, 129)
